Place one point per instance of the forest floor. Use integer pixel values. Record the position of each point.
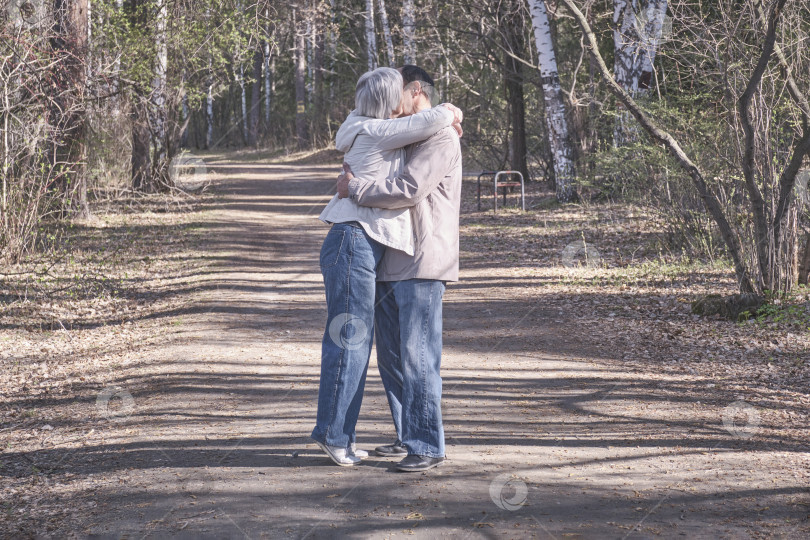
(159, 376)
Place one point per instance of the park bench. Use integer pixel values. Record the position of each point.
(505, 185)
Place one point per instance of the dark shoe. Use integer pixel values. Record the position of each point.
(392, 450)
(418, 463)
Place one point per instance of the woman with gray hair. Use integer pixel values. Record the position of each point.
(373, 140)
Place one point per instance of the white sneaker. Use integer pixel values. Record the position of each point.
(340, 456)
(354, 451)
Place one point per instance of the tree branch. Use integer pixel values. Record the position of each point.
(666, 140)
(749, 146)
(793, 88)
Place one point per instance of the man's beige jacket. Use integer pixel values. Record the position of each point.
(431, 185)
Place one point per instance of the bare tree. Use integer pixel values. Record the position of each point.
(764, 253)
(148, 110)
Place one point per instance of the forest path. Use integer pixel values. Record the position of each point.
(548, 435)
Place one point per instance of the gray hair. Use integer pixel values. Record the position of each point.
(378, 93)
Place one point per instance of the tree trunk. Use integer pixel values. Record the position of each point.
(89, 32)
(268, 73)
(255, 99)
(626, 64)
(310, 47)
(149, 111)
(389, 44)
(320, 113)
(332, 52)
(626, 59)
(185, 119)
(68, 116)
(371, 38)
(559, 138)
(268, 83)
(300, 89)
(141, 157)
(243, 102)
(804, 267)
(116, 78)
(159, 110)
(513, 83)
(408, 31)
(209, 109)
(654, 15)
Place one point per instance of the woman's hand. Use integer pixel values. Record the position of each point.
(343, 182)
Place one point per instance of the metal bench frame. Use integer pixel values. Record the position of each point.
(495, 186)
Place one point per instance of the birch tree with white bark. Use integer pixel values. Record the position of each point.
(409, 31)
(389, 43)
(651, 27)
(371, 36)
(301, 132)
(626, 64)
(209, 107)
(760, 159)
(158, 109)
(267, 74)
(637, 29)
(559, 138)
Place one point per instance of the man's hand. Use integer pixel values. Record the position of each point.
(458, 117)
(343, 182)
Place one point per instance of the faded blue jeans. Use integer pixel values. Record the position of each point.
(349, 259)
(409, 354)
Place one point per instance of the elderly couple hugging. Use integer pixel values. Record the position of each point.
(392, 247)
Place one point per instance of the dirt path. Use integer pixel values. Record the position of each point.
(549, 434)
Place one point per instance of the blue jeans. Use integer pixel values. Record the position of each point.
(349, 260)
(409, 355)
